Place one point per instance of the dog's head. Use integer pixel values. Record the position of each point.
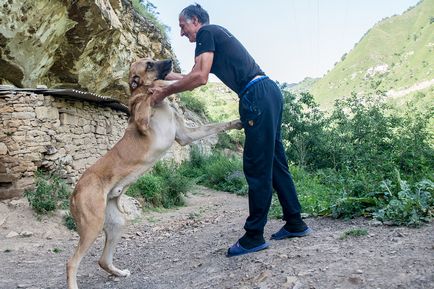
(143, 74)
(145, 71)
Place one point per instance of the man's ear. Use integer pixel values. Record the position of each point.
(195, 20)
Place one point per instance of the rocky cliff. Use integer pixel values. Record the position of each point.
(81, 44)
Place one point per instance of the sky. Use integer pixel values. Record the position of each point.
(289, 39)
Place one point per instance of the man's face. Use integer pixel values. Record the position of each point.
(189, 28)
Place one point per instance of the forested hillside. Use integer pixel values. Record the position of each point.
(394, 58)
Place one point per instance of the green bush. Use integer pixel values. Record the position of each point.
(362, 144)
(216, 171)
(192, 103)
(163, 187)
(49, 193)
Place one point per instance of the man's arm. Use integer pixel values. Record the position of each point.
(197, 77)
(174, 76)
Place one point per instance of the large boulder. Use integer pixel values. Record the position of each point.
(84, 44)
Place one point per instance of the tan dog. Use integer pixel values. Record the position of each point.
(150, 133)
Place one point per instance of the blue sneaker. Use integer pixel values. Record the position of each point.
(283, 233)
(237, 249)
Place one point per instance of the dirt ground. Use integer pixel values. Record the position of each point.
(185, 248)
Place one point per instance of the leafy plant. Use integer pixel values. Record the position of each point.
(49, 193)
(163, 187)
(410, 206)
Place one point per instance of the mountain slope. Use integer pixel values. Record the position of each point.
(394, 56)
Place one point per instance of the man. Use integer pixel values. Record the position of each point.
(264, 162)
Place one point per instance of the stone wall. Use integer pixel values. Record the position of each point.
(53, 133)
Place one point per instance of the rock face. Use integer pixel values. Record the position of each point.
(81, 44)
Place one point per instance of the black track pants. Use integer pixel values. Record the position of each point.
(264, 161)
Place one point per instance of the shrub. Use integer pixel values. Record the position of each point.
(163, 187)
(193, 103)
(350, 152)
(49, 193)
(216, 171)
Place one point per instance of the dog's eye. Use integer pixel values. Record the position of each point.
(149, 65)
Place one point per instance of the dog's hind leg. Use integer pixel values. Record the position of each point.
(89, 221)
(114, 221)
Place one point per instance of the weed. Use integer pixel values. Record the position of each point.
(56, 250)
(50, 193)
(356, 232)
(69, 222)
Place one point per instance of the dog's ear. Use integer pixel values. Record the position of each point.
(134, 82)
(142, 115)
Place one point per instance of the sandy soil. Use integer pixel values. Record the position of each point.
(185, 248)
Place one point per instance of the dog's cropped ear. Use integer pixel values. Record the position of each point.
(142, 115)
(134, 82)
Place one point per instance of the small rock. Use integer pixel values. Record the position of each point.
(375, 223)
(12, 234)
(290, 280)
(139, 234)
(298, 285)
(359, 271)
(18, 203)
(26, 234)
(262, 276)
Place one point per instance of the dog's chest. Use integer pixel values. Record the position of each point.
(163, 126)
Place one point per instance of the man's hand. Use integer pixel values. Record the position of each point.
(158, 95)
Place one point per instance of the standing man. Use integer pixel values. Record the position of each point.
(261, 103)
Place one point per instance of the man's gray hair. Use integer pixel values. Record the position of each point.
(195, 10)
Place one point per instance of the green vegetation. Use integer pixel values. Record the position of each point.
(148, 10)
(394, 55)
(217, 171)
(69, 222)
(356, 232)
(193, 103)
(163, 187)
(50, 193)
(364, 159)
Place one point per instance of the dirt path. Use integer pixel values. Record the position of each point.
(185, 248)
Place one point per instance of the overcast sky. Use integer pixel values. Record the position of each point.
(289, 39)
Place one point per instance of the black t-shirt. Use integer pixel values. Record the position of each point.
(232, 63)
